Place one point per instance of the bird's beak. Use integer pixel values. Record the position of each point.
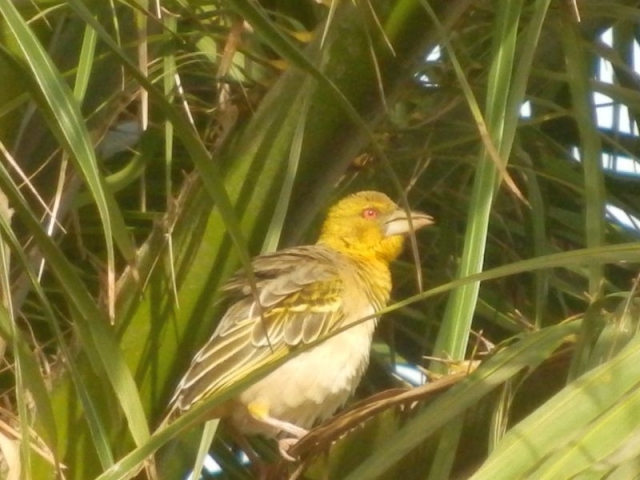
(398, 222)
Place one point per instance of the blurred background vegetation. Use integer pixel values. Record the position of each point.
(150, 148)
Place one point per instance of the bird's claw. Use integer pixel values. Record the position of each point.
(284, 444)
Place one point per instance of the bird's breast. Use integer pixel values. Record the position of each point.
(311, 386)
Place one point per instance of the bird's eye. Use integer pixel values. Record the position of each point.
(370, 213)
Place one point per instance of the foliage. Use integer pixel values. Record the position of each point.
(150, 148)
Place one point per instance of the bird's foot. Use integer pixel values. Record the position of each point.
(284, 444)
(290, 428)
(260, 413)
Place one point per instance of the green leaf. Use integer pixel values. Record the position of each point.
(595, 402)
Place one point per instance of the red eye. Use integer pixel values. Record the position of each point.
(370, 213)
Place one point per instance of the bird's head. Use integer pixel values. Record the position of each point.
(369, 224)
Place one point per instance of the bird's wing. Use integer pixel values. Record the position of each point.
(301, 298)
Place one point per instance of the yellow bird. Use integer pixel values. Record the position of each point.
(304, 293)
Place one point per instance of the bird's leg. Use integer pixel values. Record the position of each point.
(260, 413)
(290, 428)
(284, 444)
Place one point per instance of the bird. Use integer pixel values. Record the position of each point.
(300, 295)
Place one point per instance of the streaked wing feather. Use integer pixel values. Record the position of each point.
(326, 311)
(221, 362)
(301, 297)
(318, 323)
(301, 316)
